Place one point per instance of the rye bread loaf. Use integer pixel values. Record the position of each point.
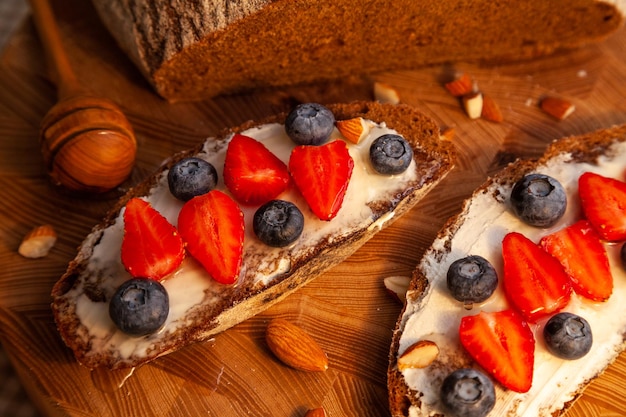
(196, 50)
(81, 296)
(431, 313)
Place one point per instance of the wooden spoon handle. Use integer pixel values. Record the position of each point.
(66, 81)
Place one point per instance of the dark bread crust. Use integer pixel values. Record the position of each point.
(434, 156)
(584, 148)
(188, 52)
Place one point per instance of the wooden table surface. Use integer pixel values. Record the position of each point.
(347, 309)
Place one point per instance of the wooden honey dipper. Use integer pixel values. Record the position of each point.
(86, 141)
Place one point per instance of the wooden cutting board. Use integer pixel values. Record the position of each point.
(347, 309)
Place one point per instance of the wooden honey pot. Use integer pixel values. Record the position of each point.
(88, 145)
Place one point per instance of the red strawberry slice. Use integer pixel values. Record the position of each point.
(604, 204)
(503, 344)
(252, 173)
(151, 246)
(534, 281)
(322, 174)
(584, 258)
(212, 227)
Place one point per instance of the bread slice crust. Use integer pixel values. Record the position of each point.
(433, 156)
(426, 280)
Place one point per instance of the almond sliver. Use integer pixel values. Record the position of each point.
(354, 130)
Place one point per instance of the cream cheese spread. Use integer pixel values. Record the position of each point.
(487, 218)
(190, 287)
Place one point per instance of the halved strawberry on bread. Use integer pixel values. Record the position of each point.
(151, 247)
(534, 281)
(503, 344)
(580, 251)
(322, 174)
(252, 173)
(212, 225)
(604, 204)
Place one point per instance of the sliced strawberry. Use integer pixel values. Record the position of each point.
(151, 246)
(584, 258)
(604, 204)
(503, 344)
(252, 173)
(322, 174)
(534, 281)
(212, 227)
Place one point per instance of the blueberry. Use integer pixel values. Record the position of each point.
(622, 255)
(278, 223)
(468, 393)
(190, 177)
(472, 279)
(538, 200)
(391, 154)
(310, 124)
(568, 336)
(139, 306)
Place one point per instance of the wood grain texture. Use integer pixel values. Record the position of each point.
(346, 310)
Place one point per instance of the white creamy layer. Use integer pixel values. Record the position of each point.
(190, 287)
(437, 317)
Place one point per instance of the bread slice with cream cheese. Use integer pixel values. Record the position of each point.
(431, 313)
(200, 308)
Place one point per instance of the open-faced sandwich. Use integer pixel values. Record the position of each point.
(519, 302)
(223, 231)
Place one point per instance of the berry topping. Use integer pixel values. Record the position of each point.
(503, 344)
(538, 200)
(322, 174)
(310, 124)
(391, 154)
(584, 259)
(278, 223)
(212, 226)
(151, 246)
(252, 173)
(139, 306)
(604, 204)
(568, 336)
(190, 177)
(468, 393)
(471, 279)
(534, 281)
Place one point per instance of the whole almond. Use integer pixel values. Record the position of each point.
(316, 412)
(294, 347)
